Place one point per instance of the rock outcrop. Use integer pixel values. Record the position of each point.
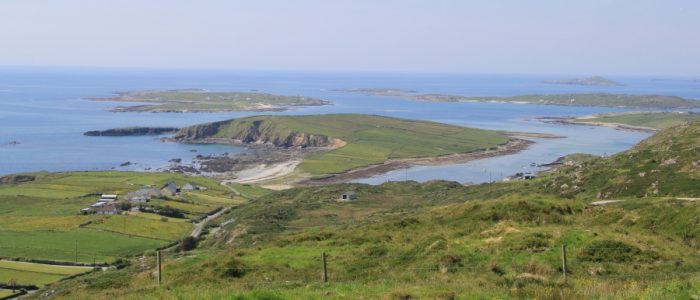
(14, 179)
(252, 132)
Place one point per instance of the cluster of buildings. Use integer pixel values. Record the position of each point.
(172, 189)
(106, 205)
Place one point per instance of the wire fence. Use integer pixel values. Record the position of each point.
(343, 267)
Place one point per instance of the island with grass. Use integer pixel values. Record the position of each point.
(132, 131)
(355, 146)
(591, 81)
(641, 121)
(197, 100)
(575, 99)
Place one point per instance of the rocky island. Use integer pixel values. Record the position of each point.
(591, 81)
(132, 131)
(197, 100)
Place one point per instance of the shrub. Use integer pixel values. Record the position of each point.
(232, 268)
(615, 251)
(188, 243)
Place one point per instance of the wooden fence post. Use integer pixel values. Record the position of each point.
(158, 263)
(564, 267)
(325, 269)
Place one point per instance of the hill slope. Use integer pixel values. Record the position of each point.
(405, 240)
(353, 140)
(666, 164)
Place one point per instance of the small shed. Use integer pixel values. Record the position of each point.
(348, 196)
(110, 197)
(528, 176)
(189, 187)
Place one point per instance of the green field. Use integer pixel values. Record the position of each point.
(651, 120)
(204, 101)
(40, 219)
(444, 240)
(24, 273)
(369, 139)
(5, 293)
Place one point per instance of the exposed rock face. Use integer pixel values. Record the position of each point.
(252, 132)
(132, 131)
(13, 179)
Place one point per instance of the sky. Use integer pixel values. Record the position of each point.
(593, 37)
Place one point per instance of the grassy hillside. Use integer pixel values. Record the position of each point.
(364, 139)
(433, 240)
(652, 120)
(442, 240)
(666, 164)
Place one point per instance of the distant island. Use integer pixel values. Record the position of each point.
(132, 131)
(640, 121)
(593, 80)
(579, 99)
(379, 91)
(197, 100)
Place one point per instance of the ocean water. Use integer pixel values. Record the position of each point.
(44, 109)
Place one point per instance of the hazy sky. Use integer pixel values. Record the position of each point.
(635, 37)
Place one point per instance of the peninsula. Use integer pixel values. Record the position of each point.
(591, 81)
(197, 100)
(640, 121)
(347, 143)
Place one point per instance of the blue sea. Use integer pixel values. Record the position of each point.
(45, 111)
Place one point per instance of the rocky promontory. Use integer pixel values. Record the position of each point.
(132, 131)
(251, 132)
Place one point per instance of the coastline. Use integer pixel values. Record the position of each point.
(578, 121)
(512, 147)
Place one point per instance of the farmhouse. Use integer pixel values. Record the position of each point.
(347, 196)
(170, 189)
(111, 208)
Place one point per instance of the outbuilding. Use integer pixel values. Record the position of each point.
(348, 196)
